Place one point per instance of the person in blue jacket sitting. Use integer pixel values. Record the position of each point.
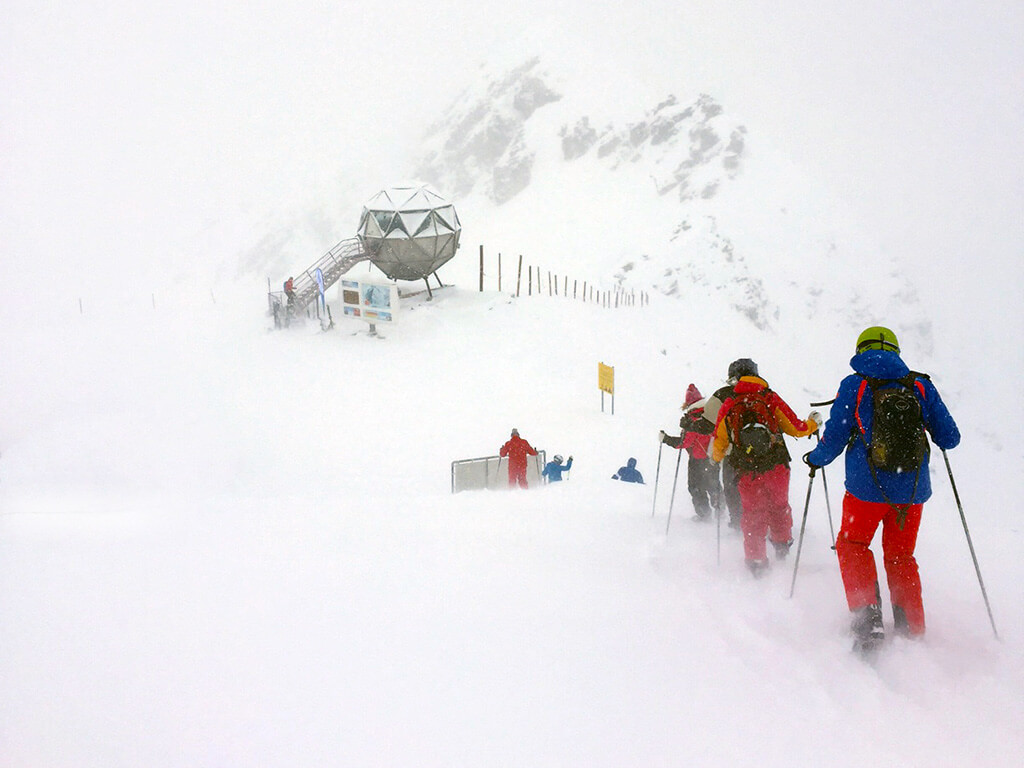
(553, 469)
(629, 473)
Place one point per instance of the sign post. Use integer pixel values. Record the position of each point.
(370, 301)
(606, 383)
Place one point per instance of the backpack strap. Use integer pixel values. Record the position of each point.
(913, 381)
(856, 408)
(767, 398)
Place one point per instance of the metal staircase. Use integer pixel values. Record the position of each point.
(333, 264)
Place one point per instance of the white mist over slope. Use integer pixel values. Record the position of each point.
(223, 545)
(186, 115)
(220, 545)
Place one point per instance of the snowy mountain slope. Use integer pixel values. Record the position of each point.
(223, 545)
(682, 199)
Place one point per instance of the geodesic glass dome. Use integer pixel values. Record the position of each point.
(409, 232)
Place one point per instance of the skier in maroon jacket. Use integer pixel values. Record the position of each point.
(517, 449)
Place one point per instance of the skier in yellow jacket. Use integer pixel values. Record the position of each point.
(749, 435)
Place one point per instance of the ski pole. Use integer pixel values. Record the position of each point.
(718, 532)
(657, 473)
(970, 544)
(828, 506)
(672, 500)
(803, 525)
(824, 482)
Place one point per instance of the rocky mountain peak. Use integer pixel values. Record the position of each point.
(480, 143)
(685, 145)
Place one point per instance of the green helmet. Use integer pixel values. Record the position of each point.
(877, 337)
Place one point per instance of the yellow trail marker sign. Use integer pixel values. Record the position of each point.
(606, 383)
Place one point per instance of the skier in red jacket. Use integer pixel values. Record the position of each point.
(517, 449)
(695, 438)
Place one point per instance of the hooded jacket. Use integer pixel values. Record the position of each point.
(842, 431)
(788, 421)
(629, 473)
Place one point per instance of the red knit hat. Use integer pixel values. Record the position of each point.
(692, 395)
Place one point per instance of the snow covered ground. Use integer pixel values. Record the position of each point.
(223, 545)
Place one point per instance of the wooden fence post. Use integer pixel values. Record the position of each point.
(481, 268)
(519, 275)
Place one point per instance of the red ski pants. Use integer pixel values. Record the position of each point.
(857, 562)
(765, 499)
(517, 475)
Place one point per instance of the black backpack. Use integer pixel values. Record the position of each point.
(753, 431)
(898, 442)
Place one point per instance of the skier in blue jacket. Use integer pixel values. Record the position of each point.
(876, 495)
(553, 469)
(629, 473)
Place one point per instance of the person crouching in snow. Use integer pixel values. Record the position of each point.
(517, 449)
(553, 469)
(750, 427)
(701, 472)
(629, 473)
(882, 487)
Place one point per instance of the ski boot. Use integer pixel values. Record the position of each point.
(868, 631)
(758, 567)
(782, 548)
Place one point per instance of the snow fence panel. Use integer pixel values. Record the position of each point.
(492, 472)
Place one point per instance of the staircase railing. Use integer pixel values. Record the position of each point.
(333, 264)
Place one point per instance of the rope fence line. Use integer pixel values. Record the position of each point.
(537, 282)
(553, 284)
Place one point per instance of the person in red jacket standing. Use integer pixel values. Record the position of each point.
(517, 449)
(701, 472)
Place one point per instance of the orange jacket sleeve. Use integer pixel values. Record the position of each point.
(789, 422)
(721, 444)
